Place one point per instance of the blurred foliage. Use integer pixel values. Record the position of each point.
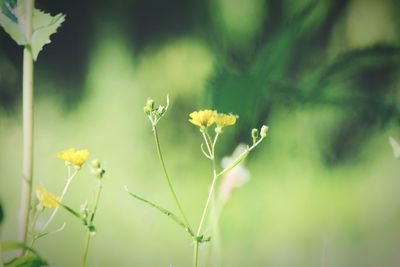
(290, 67)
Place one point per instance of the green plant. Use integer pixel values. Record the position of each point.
(205, 120)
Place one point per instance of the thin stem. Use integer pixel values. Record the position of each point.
(203, 216)
(86, 249)
(27, 129)
(195, 253)
(206, 139)
(69, 180)
(240, 158)
(171, 189)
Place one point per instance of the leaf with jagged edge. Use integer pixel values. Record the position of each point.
(11, 19)
(44, 25)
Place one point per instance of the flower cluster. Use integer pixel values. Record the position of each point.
(206, 118)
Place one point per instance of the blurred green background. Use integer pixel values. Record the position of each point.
(324, 75)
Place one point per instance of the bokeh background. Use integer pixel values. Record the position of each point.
(324, 75)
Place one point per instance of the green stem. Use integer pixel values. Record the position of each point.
(67, 184)
(203, 216)
(86, 250)
(240, 158)
(196, 253)
(27, 129)
(171, 189)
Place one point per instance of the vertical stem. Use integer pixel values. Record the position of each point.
(27, 129)
(196, 253)
(171, 189)
(86, 250)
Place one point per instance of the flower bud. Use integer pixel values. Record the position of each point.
(148, 108)
(254, 133)
(264, 131)
(95, 163)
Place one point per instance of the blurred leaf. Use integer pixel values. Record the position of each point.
(164, 211)
(12, 245)
(12, 17)
(27, 261)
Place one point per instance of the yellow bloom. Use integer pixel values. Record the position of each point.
(203, 118)
(47, 199)
(73, 156)
(223, 120)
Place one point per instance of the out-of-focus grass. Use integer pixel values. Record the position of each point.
(294, 208)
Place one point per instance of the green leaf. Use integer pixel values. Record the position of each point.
(44, 25)
(165, 211)
(12, 17)
(27, 261)
(12, 245)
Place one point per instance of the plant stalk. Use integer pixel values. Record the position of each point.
(171, 189)
(86, 250)
(27, 129)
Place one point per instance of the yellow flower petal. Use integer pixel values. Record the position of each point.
(47, 199)
(203, 118)
(223, 120)
(73, 156)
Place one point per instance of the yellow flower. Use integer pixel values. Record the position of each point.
(73, 156)
(223, 120)
(203, 118)
(47, 199)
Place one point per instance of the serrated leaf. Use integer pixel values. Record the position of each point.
(12, 20)
(44, 25)
(27, 261)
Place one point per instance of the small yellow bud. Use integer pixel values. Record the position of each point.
(148, 108)
(95, 163)
(264, 131)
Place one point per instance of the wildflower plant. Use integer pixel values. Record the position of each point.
(74, 161)
(211, 125)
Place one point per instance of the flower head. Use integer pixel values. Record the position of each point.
(73, 156)
(203, 118)
(223, 120)
(46, 199)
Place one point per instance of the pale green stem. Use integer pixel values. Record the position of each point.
(171, 189)
(88, 236)
(203, 216)
(27, 129)
(53, 214)
(67, 184)
(86, 249)
(195, 253)
(206, 139)
(240, 158)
